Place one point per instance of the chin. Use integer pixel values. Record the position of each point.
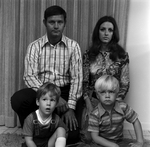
(109, 103)
(105, 42)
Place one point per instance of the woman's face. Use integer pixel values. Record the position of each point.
(106, 32)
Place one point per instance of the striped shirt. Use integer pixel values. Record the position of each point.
(60, 64)
(110, 126)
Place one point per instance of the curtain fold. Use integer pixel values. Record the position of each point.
(22, 22)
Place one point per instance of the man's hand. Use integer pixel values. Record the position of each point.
(62, 106)
(70, 119)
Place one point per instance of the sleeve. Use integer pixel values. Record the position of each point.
(31, 67)
(93, 123)
(124, 80)
(86, 74)
(62, 124)
(28, 126)
(76, 77)
(130, 114)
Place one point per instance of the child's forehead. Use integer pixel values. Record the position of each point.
(106, 87)
(50, 94)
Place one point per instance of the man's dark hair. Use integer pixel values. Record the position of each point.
(54, 10)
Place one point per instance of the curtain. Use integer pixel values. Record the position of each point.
(21, 22)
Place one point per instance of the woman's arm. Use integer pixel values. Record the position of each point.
(86, 86)
(86, 74)
(88, 105)
(124, 79)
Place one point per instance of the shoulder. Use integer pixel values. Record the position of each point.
(56, 117)
(38, 43)
(30, 117)
(124, 57)
(59, 122)
(122, 104)
(39, 40)
(126, 54)
(95, 111)
(70, 42)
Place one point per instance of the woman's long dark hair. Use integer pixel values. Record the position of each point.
(116, 51)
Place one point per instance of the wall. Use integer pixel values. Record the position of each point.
(21, 23)
(138, 47)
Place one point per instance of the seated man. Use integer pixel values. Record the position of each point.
(57, 59)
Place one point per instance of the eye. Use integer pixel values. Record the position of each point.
(51, 22)
(102, 29)
(60, 22)
(111, 91)
(110, 30)
(53, 100)
(44, 99)
(103, 92)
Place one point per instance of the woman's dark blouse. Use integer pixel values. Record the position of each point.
(104, 65)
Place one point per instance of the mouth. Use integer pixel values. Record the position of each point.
(48, 109)
(106, 38)
(56, 31)
(108, 101)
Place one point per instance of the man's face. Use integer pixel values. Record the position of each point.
(55, 25)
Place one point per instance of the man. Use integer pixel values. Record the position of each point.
(55, 58)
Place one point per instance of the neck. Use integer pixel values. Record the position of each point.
(44, 117)
(54, 40)
(104, 47)
(108, 107)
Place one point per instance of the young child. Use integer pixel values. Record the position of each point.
(43, 128)
(106, 120)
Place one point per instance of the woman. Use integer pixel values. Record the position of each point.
(105, 56)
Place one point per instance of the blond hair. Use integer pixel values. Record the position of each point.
(107, 82)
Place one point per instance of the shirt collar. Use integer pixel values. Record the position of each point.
(45, 40)
(117, 108)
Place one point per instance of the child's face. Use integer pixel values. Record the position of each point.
(107, 96)
(47, 104)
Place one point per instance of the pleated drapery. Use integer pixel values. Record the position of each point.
(21, 22)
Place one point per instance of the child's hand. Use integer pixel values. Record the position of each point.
(136, 144)
(114, 145)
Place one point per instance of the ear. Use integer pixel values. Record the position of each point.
(65, 24)
(57, 104)
(44, 22)
(96, 94)
(37, 102)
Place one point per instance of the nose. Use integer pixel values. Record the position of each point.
(48, 103)
(106, 32)
(107, 94)
(56, 25)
